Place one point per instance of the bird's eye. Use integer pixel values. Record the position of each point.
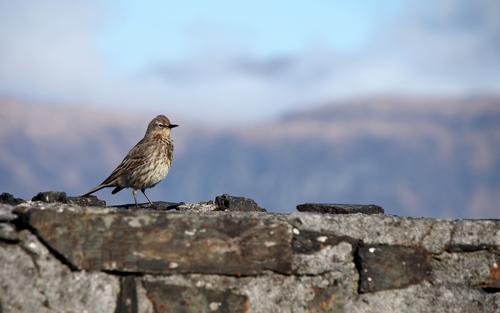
(161, 125)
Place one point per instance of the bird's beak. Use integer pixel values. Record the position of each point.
(173, 126)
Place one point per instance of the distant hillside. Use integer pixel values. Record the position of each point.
(414, 156)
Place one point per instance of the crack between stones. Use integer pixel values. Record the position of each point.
(146, 294)
(357, 263)
(22, 224)
(452, 234)
(263, 274)
(490, 290)
(426, 234)
(123, 273)
(127, 299)
(33, 259)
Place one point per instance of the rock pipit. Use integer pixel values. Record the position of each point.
(146, 164)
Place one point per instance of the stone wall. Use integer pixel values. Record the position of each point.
(62, 257)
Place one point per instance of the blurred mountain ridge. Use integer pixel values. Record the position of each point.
(417, 156)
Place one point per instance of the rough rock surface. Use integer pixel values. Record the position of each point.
(51, 196)
(59, 196)
(60, 257)
(7, 198)
(237, 204)
(8, 232)
(388, 267)
(6, 214)
(424, 298)
(86, 201)
(171, 298)
(162, 242)
(33, 280)
(331, 208)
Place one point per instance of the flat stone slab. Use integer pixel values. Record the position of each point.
(171, 298)
(161, 242)
(157, 205)
(332, 208)
(390, 267)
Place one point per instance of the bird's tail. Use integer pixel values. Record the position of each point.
(91, 191)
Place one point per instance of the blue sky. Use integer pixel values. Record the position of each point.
(142, 32)
(244, 62)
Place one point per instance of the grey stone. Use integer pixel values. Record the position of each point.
(6, 214)
(242, 261)
(202, 207)
(7, 198)
(478, 269)
(8, 233)
(86, 201)
(470, 235)
(227, 202)
(158, 242)
(277, 293)
(432, 234)
(493, 303)
(391, 267)
(328, 259)
(144, 304)
(423, 298)
(33, 280)
(51, 196)
(333, 208)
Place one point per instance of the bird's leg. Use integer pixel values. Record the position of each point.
(143, 190)
(134, 192)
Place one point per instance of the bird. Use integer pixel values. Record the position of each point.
(146, 164)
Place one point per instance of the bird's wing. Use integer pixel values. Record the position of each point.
(134, 158)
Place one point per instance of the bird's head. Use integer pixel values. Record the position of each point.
(160, 126)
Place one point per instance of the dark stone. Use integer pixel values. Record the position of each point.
(59, 196)
(160, 242)
(331, 208)
(306, 242)
(329, 299)
(470, 247)
(237, 204)
(171, 298)
(8, 198)
(389, 267)
(86, 201)
(127, 298)
(157, 205)
(51, 196)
